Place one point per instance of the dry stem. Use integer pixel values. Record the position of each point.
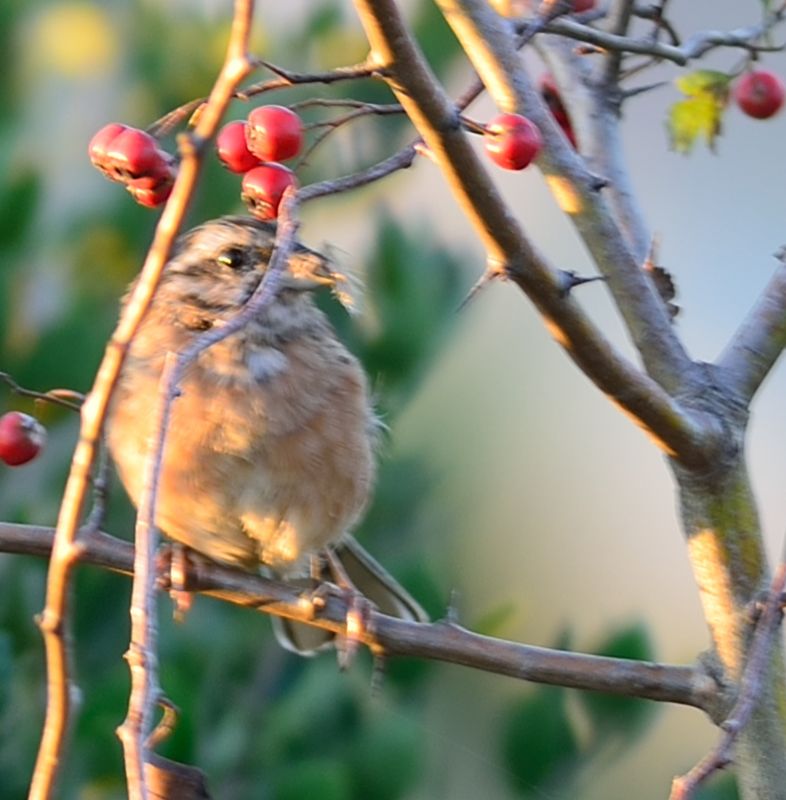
(694, 47)
(54, 621)
(142, 658)
(439, 641)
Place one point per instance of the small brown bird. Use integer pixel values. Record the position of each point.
(269, 457)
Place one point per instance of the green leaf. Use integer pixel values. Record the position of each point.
(613, 715)
(538, 741)
(701, 113)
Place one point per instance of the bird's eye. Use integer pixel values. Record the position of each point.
(232, 257)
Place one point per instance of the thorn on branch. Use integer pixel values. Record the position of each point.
(639, 90)
(491, 273)
(598, 182)
(568, 280)
(452, 611)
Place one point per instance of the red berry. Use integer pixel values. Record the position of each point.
(134, 154)
(148, 193)
(580, 6)
(101, 141)
(274, 133)
(759, 93)
(162, 171)
(21, 438)
(512, 141)
(570, 134)
(551, 96)
(264, 186)
(232, 148)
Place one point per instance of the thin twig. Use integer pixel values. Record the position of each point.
(55, 620)
(767, 627)
(341, 102)
(622, 11)
(288, 78)
(401, 160)
(58, 397)
(172, 119)
(332, 125)
(142, 655)
(657, 14)
(694, 47)
(95, 519)
(136, 727)
(440, 641)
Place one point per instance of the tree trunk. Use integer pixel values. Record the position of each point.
(726, 551)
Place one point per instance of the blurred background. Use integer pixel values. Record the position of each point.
(507, 479)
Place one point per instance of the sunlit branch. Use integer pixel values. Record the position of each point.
(389, 637)
(491, 48)
(760, 339)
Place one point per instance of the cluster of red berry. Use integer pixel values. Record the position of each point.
(255, 147)
(132, 157)
(759, 94)
(21, 438)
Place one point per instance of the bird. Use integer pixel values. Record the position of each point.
(269, 458)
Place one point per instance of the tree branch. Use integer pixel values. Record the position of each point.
(490, 46)
(288, 78)
(55, 621)
(510, 253)
(694, 47)
(760, 339)
(594, 113)
(390, 637)
(620, 17)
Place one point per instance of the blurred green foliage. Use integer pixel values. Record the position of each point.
(261, 723)
(549, 743)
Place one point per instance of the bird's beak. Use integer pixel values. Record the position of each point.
(309, 270)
